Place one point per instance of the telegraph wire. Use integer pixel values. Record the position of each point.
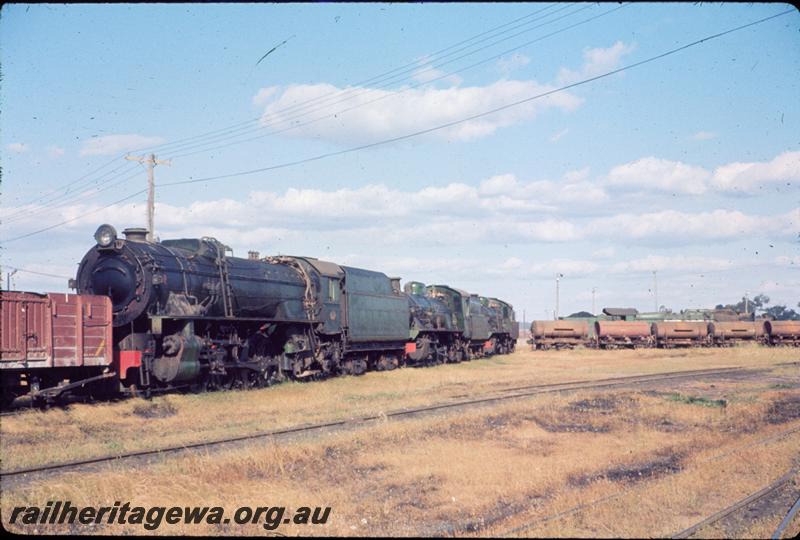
(51, 227)
(87, 193)
(25, 270)
(415, 68)
(161, 148)
(424, 131)
(299, 110)
(479, 115)
(98, 169)
(23, 213)
(387, 95)
(51, 196)
(360, 91)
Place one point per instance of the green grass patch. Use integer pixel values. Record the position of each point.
(692, 400)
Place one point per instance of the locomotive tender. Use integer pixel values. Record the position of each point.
(188, 313)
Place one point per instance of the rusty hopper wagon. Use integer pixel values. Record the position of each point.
(561, 334)
(670, 334)
(783, 332)
(616, 334)
(728, 333)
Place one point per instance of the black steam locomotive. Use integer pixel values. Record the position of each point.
(186, 312)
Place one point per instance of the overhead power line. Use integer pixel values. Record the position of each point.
(51, 198)
(355, 92)
(428, 130)
(25, 270)
(44, 196)
(76, 218)
(304, 108)
(205, 148)
(479, 115)
(76, 198)
(162, 148)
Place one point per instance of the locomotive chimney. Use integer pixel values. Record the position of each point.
(135, 234)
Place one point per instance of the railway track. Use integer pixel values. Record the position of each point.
(28, 473)
(686, 533)
(766, 491)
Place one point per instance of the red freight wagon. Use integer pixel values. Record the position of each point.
(53, 340)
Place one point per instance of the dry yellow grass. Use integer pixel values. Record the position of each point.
(89, 430)
(489, 470)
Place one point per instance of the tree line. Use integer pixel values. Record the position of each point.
(759, 305)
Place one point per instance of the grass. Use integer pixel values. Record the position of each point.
(692, 400)
(89, 430)
(479, 472)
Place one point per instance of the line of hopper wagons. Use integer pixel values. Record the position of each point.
(666, 334)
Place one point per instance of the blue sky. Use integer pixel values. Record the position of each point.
(688, 165)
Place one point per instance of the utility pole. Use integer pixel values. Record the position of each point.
(655, 289)
(594, 289)
(555, 313)
(8, 279)
(151, 162)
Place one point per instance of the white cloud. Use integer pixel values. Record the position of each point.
(17, 148)
(655, 174)
(427, 74)
(113, 144)
(263, 95)
(507, 64)
(496, 185)
(373, 114)
(596, 61)
(578, 175)
(677, 227)
(603, 253)
(704, 136)
(661, 174)
(556, 136)
(748, 176)
(673, 263)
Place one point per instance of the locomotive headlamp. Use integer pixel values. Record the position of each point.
(105, 235)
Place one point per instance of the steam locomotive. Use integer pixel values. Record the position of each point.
(186, 312)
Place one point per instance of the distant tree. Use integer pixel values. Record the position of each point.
(581, 314)
(759, 302)
(782, 313)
